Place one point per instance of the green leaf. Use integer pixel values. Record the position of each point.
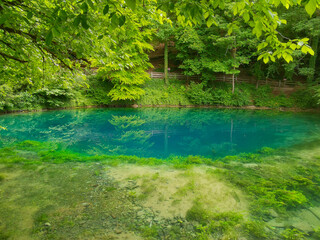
(210, 21)
(310, 51)
(29, 15)
(311, 7)
(293, 46)
(272, 58)
(122, 20)
(77, 20)
(49, 37)
(63, 15)
(114, 21)
(262, 45)
(55, 32)
(246, 16)
(304, 49)
(106, 9)
(131, 4)
(285, 3)
(84, 7)
(91, 4)
(84, 22)
(100, 37)
(287, 57)
(112, 14)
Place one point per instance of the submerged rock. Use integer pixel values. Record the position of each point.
(315, 211)
(305, 220)
(273, 213)
(277, 223)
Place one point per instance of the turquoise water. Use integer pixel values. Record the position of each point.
(162, 132)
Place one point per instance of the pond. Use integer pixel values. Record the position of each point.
(209, 174)
(162, 132)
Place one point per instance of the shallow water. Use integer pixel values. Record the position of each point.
(162, 132)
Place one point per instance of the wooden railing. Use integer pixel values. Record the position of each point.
(270, 82)
(173, 75)
(228, 78)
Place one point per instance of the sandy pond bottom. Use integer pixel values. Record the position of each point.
(91, 201)
(128, 201)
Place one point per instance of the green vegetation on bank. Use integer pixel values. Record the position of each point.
(178, 93)
(49, 49)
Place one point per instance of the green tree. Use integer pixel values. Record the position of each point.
(45, 38)
(164, 34)
(206, 51)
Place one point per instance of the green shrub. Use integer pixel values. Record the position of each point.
(263, 97)
(24, 100)
(307, 98)
(55, 97)
(98, 91)
(225, 97)
(241, 98)
(222, 97)
(157, 93)
(198, 95)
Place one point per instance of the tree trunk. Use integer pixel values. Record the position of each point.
(234, 52)
(166, 59)
(313, 59)
(233, 82)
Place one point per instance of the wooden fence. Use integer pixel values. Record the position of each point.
(173, 75)
(270, 82)
(228, 78)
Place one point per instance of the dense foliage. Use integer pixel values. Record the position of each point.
(48, 48)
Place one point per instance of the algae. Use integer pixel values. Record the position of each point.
(48, 192)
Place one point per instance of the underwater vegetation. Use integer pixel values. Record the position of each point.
(282, 187)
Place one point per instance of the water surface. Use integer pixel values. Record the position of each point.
(162, 132)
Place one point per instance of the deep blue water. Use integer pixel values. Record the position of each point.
(161, 132)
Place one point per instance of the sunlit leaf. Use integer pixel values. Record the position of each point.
(311, 7)
(131, 4)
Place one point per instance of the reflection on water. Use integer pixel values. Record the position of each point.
(162, 132)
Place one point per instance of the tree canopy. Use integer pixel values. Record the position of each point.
(51, 42)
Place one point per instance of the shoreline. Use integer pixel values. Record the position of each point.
(251, 107)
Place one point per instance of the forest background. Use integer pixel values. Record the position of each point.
(80, 53)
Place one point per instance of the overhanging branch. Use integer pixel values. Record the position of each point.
(5, 56)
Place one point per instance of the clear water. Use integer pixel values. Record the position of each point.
(162, 132)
